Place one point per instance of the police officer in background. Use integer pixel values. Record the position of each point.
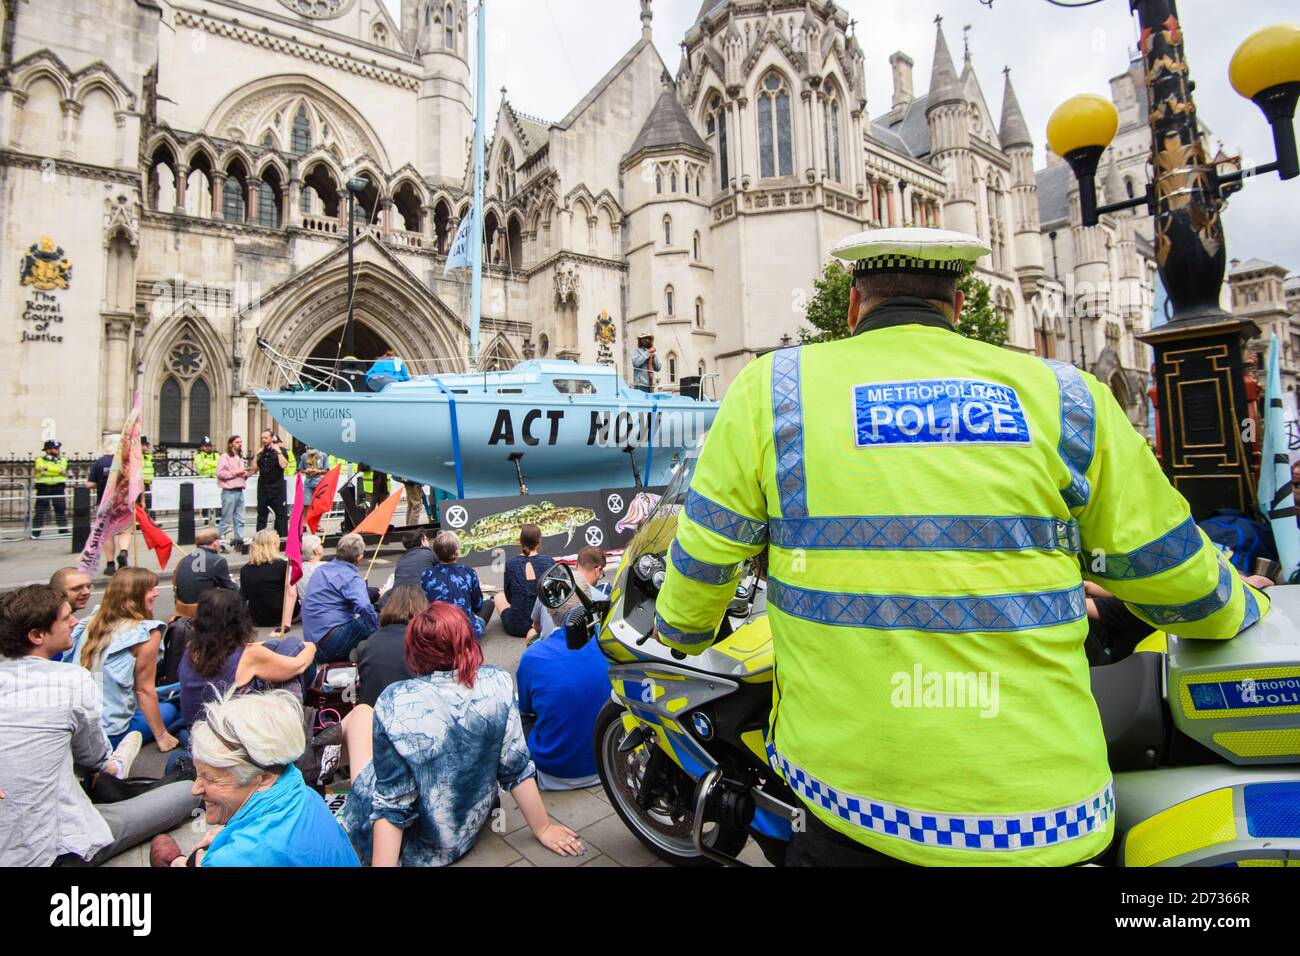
(271, 463)
(50, 475)
(884, 575)
(147, 473)
(205, 466)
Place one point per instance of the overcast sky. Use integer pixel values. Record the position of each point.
(550, 53)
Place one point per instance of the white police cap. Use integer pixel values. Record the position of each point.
(913, 250)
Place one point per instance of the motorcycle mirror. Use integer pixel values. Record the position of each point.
(556, 586)
(577, 628)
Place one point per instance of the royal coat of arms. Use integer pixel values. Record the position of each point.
(45, 267)
(606, 332)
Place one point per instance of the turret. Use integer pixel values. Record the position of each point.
(950, 139)
(1019, 146)
(445, 110)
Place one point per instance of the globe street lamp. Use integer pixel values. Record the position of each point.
(356, 185)
(1199, 375)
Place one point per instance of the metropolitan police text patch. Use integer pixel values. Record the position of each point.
(938, 412)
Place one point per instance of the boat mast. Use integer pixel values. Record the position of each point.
(476, 230)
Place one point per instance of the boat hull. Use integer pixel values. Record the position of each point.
(568, 443)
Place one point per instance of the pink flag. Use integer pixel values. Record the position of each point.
(124, 487)
(293, 547)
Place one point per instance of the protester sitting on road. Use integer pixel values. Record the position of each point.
(221, 655)
(587, 573)
(121, 641)
(202, 569)
(441, 744)
(454, 583)
(244, 748)
(381, 658)
(515, 600)
(313, 556)
(337, 614)
(75, 585)
(263, 581)
(49, 730)
(418, 558)
(564, 691)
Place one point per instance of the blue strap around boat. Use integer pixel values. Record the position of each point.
(907, 612)
(960, 831)
(455, 436)
(925, 533)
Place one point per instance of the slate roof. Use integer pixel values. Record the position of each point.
(1054, 193)
(912, 128)
(667, 125)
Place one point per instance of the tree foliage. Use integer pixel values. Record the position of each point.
(828, 309)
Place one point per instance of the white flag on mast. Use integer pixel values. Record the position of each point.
(459, 257)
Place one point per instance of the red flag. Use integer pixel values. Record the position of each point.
(155, 538)
(377, 521)
(322, 501)
(293, 547)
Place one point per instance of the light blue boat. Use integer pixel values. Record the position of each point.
(572, 425)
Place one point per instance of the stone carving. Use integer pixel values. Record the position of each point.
(567, 282)
(122, 213)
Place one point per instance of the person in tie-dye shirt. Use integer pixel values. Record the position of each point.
(429, 758)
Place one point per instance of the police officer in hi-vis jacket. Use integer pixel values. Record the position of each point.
(839, 459)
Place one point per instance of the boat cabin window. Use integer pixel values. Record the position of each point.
(460, 391)
(574, 386)
(510, 391)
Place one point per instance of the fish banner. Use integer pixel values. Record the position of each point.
(489, 527)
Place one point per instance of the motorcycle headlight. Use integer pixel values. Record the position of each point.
(649, 567)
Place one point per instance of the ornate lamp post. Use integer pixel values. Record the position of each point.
(1198, 364)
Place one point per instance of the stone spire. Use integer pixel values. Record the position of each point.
(1014, 131)
(647, 18)
(943, 78)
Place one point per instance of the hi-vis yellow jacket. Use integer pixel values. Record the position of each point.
(926, 500)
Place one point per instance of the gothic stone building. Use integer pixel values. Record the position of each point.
(172, 191)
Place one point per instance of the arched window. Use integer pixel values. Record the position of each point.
(449, 28)
(695, 247)
(307, 203)
(674, 181)
(1128, 188)
(200, 410)
(301, 134)
(831, 131)
(669, 305)
(699, 313)
(701, 369)
(672, 366)
(668, 231)
(169, 412)
(716, 128)
(775, 143)
(659, 183)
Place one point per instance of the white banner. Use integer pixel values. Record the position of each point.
(1291, 417)
(167, 493)
(458, 257)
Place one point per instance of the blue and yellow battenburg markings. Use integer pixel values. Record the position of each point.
(1247, 693)
(939, 412)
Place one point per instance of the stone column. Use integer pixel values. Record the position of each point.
(343, 211)
(218, 195)
(119, 141)
(71, 114)
(385, 217)
(115, 374)
(182, 183)
(253, 207)
(427, 228)
(11, 111)
(294, 212)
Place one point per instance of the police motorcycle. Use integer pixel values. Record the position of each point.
(1203, 736)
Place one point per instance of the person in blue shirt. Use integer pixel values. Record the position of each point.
(244, 750)
(386, 371)
(337, 613)
(516, 598)
(454, 583)
(564, 690)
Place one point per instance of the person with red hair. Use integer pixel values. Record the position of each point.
(427, 760)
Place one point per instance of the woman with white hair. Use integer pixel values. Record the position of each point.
(313, 556)
(244, 750)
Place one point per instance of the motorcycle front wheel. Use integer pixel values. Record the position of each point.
(665, 825)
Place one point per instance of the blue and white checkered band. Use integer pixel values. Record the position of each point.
(1078, 432)
(905, 612)
(1163, 615)
(787, 425)
(685, 638)
(898, 263)
(926, 533)
(1163, 554)
(959, 831)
